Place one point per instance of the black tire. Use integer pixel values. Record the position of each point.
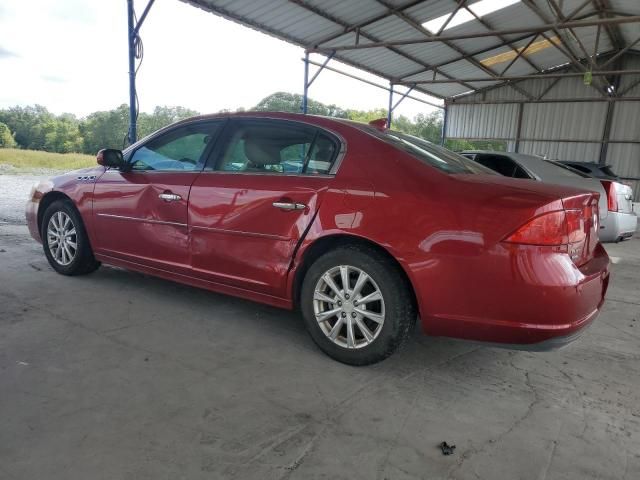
(83, 261)
(399, 308)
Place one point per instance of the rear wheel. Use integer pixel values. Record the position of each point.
(65, 241)
(357, 305)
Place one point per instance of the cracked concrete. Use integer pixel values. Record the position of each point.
(120, 375)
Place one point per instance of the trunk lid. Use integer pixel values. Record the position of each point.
(590, 184)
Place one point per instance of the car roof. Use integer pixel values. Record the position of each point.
(299, 117)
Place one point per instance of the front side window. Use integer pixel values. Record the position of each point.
(175, 151)
(278, 148)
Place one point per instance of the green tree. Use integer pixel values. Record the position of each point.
(6, 137)
(366, 116)
(106, 129)
(292, 103)
(27, 124)
(161, 117)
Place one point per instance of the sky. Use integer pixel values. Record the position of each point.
(71, 56)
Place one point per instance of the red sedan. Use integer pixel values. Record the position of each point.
(361, 228)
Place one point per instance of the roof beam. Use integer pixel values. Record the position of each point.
(371, 21)
(460, 4)
(485, 50)
(510, 78)
(453, 101)
(465, 36)
(337, 21)
(559, 16)
(615, 35)
(488, 26)
(569, 53)
(374, 84)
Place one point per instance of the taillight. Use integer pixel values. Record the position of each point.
(612, 199)
(551, 229)
(576, 231)
(547, 229)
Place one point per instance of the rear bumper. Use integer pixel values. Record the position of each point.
(528, 298)
(553, 343)
(618, 225)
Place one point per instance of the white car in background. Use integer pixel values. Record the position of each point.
(617, 218)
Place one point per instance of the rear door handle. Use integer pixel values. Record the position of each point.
(170, 197)
(288, 206)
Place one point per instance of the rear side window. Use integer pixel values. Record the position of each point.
(503, 165)
(278, 148)
(433, 155)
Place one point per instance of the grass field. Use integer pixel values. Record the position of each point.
(25, 160)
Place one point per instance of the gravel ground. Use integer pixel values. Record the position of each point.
(15, 191)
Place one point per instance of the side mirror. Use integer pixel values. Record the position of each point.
(110, 157)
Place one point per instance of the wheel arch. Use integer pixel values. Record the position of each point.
(47, 200)
(324, 244)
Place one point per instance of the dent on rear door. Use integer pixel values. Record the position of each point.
(238, 237)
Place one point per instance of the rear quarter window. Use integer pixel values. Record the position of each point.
(429, 153)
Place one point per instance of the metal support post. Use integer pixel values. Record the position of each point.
(404, 95)
(445, 117)
(390, 111)
(519, 127)
(307, 82)
(132, 135)
(132, 36)
(305, 92)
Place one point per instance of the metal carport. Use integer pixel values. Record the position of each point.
(557, 77)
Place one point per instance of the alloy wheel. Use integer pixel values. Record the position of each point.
(348, 306)
(62, 238)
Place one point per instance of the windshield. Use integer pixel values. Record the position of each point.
(433, 155)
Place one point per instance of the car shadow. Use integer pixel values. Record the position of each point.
(264, 320)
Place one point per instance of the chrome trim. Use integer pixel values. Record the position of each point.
(271, 174)
(169, 197)
(115, 170)
(240, 232)
(144, 220)
(289, 206)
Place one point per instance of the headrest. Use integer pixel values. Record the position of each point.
(261, 152)
(325, 152)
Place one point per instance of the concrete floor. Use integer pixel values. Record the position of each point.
(121, 376)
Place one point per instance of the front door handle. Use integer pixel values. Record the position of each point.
(288, 206)
(170, 197)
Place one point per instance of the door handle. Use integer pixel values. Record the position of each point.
(288, 206)
(169, 197)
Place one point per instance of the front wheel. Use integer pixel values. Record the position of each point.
(357, 305)
(65, 241)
